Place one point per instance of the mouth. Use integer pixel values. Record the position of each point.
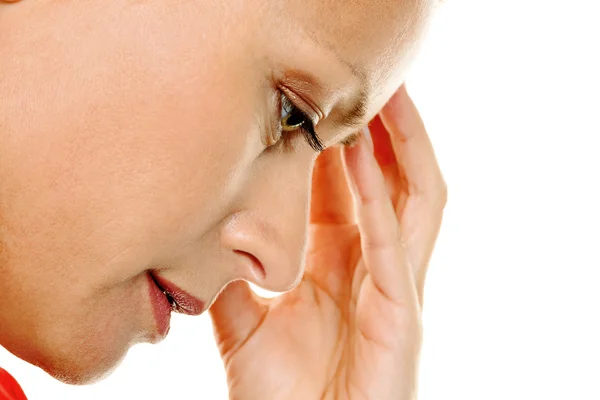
(175, 307)
(179, 300)
(165, 298)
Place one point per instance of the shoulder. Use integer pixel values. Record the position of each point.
(10, 388)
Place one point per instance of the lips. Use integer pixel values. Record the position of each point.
(167, 297)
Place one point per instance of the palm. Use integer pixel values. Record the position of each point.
(309, 336)
(337, 334)
(295, 351)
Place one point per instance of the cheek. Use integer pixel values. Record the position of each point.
(131, 152)
(133, 149)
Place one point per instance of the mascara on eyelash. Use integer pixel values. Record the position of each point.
(306, 126)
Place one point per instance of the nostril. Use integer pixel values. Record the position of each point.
(257, 268)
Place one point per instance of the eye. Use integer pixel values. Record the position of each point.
(293, 119)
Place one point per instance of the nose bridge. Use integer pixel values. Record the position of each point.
(268, 230)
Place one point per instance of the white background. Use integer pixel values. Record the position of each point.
(510, 92)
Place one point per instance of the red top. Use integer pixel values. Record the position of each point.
(9, 388)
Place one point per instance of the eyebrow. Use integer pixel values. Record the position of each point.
(357, 113)
(351, 119)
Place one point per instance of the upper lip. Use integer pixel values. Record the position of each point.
(184, 302)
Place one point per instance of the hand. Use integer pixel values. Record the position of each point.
(352, 328)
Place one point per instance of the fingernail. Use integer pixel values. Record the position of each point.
(367, 133)
(359, 161)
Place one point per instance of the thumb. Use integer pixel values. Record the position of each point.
(236, 314)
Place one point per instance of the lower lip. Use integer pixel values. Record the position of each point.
(161, 307)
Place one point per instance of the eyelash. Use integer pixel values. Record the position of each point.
(307, 127)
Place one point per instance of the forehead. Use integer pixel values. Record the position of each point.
(375, 37)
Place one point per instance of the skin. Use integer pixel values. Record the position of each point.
(139, 135)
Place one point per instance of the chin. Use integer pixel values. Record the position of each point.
(70, 363)
(80, 370)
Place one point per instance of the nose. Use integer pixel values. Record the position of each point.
(266, 234)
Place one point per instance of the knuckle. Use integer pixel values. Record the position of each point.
(443, 193)
(436, 198)
(410, 324)
(438, 194)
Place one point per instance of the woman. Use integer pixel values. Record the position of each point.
(154, 153)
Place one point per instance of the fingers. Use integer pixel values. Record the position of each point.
(380, 235)
(412, 147)
(331, 202)
(236, 314)
(386, 157)
(421, 213)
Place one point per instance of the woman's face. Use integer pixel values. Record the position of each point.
(141, 136)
